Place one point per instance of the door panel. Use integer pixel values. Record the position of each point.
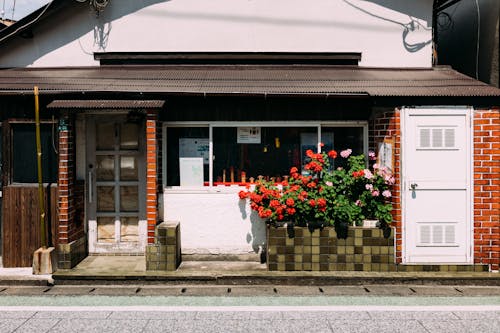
(436, 186)
(116, 176)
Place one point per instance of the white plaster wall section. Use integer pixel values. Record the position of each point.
(387, 33)
(215, 223)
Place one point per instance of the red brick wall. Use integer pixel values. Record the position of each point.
(487, 187)
(152, 171)
(385, 124)
(68, 230)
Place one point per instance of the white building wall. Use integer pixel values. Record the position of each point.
(388, 33)
(215, 223)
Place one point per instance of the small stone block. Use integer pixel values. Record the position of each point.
(290, 266)
(349, 267)
(281, 258)
(298, 266)
(299, 249)
(307, 258)
(307, 241)
(323, 267)
(315, 258)
(349, 241)
(307, 266)
(367, 250)
(315, 249)
(349, 258)
(298, 258)
(358, 241)
(272, 266)
(341, 250)
(315, 266)
(358, 258)
(44, 261)
(307, 250)
(281, 266)
(349, 249)
(289, 241)
(315, 241)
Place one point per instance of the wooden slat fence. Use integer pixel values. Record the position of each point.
(21, 222)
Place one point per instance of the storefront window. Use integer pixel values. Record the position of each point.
(187, 146)
(243, 154)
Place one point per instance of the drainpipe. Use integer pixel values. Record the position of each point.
(41, 197)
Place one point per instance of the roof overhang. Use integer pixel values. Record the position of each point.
(248, 80)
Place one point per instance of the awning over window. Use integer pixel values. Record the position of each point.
(304, 80)
(106, 104)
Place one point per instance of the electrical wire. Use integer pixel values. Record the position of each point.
(478, 35)
(27, 24)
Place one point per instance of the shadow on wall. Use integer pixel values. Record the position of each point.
(257, 234)
(414, 10)
(80, 20)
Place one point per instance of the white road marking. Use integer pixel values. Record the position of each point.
(341, 308)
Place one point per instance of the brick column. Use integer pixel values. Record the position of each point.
(487, 188)
(65, 182)
(386, 124)
(151, 172)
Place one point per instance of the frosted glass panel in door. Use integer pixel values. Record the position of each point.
(129, 198)
(106, 229)
(105, 136)
(105, 198)
(129, 229)
(105, 168)
(129, 138)
(128, 168)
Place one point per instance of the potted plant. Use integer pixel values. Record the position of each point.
(324, 195)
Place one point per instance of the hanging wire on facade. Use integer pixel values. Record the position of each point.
(29, 23)
(54, 135)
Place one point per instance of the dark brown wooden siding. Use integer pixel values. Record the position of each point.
(21, 222)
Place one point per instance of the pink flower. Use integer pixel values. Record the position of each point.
(369, 187)
(328, 183)
(371, 155)
(387, 194)
(346, 153)
(358, 202)
(375, 193)
(389, 180)
(375, 166)
(368, 174)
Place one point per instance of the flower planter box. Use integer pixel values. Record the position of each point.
(365, 249)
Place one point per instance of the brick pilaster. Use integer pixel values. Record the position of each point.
(487, 187)
(65, 182)
(386, 124)
(151, 172)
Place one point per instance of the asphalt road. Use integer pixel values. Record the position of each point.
(195, 308)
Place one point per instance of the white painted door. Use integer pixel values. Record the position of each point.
(436, 188)
(115, 184)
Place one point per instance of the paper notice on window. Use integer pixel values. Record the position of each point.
(249, 135)
(385, 154)
(194, 147)
(191, 171)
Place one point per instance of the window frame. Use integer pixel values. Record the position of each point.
(9, 130)
(214, 124)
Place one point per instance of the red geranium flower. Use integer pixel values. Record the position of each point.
(312, 203)
(332, 154)
(289, 202)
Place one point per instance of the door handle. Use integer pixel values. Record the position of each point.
(90, 186)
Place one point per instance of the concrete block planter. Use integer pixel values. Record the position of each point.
(365, 249)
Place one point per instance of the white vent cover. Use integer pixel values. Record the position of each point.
(436, 138)
(436, 234)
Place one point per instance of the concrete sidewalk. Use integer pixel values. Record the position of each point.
(124, 269)
(132, 270)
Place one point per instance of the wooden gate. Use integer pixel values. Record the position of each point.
(21, 222)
